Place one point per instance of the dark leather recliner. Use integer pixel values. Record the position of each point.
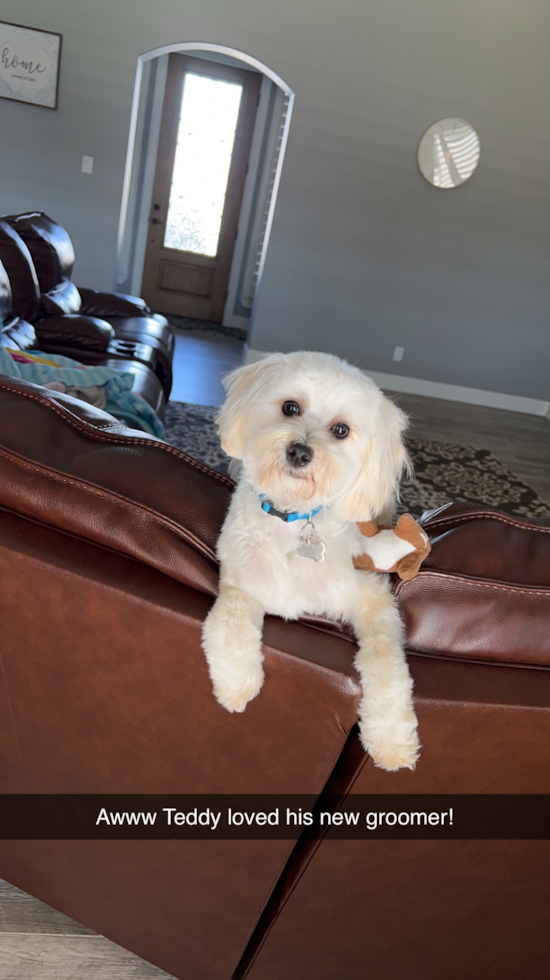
(67, 319)
(108, 564)
(18, 333)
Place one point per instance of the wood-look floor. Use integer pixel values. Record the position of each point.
(38, 943)
(520, 441)
(200, 362)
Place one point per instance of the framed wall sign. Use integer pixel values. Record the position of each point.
(29, 65)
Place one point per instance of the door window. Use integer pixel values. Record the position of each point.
(206, 136)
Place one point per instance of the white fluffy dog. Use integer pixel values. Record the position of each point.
(321, 449)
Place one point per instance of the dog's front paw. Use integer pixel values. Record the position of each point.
(394, 745)
(236, 698)
(231, 640)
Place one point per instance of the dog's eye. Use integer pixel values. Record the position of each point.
(291, 408)
(340, 430)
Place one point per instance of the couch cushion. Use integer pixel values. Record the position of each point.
(18, 264)
(484, 592)
(105, 689)
(49, 245)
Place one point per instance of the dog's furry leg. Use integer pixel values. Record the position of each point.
(232, 643)
(387, 720)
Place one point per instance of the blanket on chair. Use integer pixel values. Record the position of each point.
(116, 395)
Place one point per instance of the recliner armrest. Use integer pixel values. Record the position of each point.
(65, 298)
(75, 330)
(95, 303)
(18, 334)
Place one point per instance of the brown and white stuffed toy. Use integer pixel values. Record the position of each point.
(400, 549)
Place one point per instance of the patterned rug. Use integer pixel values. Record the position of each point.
(212, 330)
(442, 473)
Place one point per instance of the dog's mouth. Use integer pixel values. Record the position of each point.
(298, 475)
(291, 474)
(298, 463)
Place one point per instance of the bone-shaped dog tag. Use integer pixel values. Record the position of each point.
(308, 548)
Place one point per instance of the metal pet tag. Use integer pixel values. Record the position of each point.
(311, 549)
(308, 548)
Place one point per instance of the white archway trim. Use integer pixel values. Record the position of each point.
(219, 49)
(239, 56)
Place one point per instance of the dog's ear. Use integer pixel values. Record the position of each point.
(242, 386)
(385, 460)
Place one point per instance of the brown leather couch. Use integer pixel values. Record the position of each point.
(108, 568)
(93, 327)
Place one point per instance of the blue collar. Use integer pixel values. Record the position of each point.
(269, 508)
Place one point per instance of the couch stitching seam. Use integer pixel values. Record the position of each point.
(102, 436)
(463, 518)
(483, 585)
(83, 486)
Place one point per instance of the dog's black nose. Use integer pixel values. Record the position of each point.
(298, 454)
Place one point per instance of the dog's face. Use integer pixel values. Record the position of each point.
(310, 428)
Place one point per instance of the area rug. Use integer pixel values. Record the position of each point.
(206, 327)
(443, 473)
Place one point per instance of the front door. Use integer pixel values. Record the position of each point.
(206, 130)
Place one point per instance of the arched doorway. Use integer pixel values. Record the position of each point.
(143, 221)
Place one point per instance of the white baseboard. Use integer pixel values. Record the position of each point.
(453, 393)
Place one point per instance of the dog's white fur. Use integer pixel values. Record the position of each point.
(354, 479)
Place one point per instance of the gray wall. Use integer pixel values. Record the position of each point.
(364, 255)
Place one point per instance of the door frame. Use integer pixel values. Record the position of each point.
(195, 48)
(212, 271)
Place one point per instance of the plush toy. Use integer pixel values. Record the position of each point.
(400, 549)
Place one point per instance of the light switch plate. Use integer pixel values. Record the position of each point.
(87, 165)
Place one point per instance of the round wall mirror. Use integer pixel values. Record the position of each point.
(448, 153)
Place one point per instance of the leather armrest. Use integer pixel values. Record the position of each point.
(95, 303)
(483, 593)
(65, 298)
(75, 330)
(18, 334)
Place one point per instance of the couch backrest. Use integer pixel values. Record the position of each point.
(76, 469)
(50, 247)
(14, 332)
(53, 256)
(5, 296)
(18, 264)
(483, 594)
